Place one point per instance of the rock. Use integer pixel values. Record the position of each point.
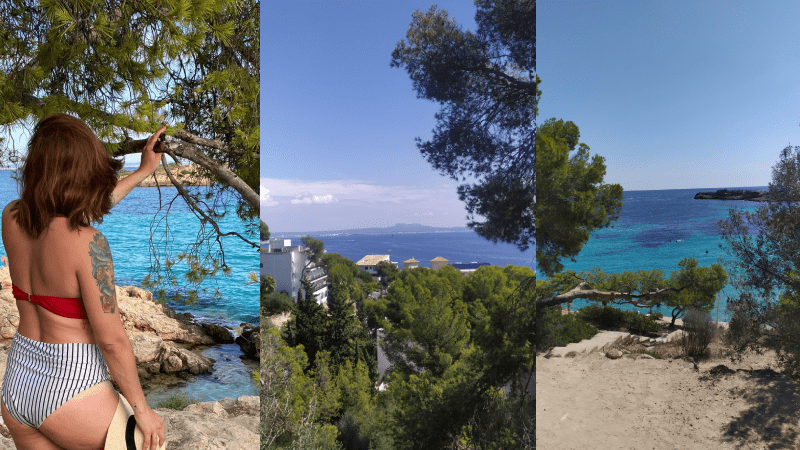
(227, 423)
(186, 174)
(250, 341)
(214, 409)
(141, 313)
(646, 357)
(733, 194)
(278, 320)
(614, 354)
(190, 361)
(720, 369)
(220, 335)
(571, 354)
(146, 347)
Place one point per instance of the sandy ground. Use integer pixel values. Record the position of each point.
(593, 402)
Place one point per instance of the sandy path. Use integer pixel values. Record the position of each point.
(592, 402)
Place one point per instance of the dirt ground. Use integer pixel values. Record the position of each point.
(638, 402)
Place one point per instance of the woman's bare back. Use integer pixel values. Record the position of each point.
(47, 266)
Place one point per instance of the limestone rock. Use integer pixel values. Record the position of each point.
(614, 354)
(229, 424)
(220, 335)
(250, 341)
(141, 313)
(180, 359)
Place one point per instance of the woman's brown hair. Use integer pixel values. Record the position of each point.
(67, 172)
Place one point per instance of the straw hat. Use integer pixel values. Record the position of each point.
(123, 434)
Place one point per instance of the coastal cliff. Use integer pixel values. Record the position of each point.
(187, 174)
(733, 194)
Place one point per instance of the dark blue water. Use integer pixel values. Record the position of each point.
(657, 229)
(128, 228)
(456, 247)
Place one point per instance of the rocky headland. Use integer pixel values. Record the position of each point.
(187, 174)
(733, 194)
(167, 347)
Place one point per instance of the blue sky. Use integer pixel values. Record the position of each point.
(338, 124)
(674, 94)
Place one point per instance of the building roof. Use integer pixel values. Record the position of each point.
(412, 260)
(439, 259)
(372, 260)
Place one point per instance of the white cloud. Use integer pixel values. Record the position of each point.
(358, 204)
(306, 198)
(345, 190)
(266, 199)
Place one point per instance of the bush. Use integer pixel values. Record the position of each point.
(610, 317)
(699, 332)
(606, 316)
(276, 303)
(177, 401)
(640, 324)
(554, 329)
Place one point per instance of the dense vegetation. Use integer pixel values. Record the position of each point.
(460, 353)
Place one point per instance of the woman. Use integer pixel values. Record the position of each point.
(56, 392)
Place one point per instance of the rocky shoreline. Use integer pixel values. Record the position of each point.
(187, 174)
(733, 194)
(167, 349)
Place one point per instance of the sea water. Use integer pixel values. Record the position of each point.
(456, 247)
(128, 229)
(656, 230)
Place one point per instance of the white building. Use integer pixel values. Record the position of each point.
(286, 263)
(369, 263)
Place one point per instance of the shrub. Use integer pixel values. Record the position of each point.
(606, 316)
(640, 324)
(699, 332)
(275, 303)
(614, 318)
(554, 329)
(178, 401)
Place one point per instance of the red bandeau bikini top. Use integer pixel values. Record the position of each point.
(62, 306)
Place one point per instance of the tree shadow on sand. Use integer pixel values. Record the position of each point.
(773, 419)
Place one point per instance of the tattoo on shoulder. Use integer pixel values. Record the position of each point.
(103, 272)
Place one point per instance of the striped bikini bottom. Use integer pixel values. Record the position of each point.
(40, 376)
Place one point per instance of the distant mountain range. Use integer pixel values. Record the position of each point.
(396, 228)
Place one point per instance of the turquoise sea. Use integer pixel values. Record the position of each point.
(657, 229)
(128, 228)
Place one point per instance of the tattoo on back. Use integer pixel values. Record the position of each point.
(103, 272)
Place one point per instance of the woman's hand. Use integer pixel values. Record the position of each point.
(149, 164)
(152, 427)
(150, 159)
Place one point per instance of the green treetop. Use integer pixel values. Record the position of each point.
(485, 82)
